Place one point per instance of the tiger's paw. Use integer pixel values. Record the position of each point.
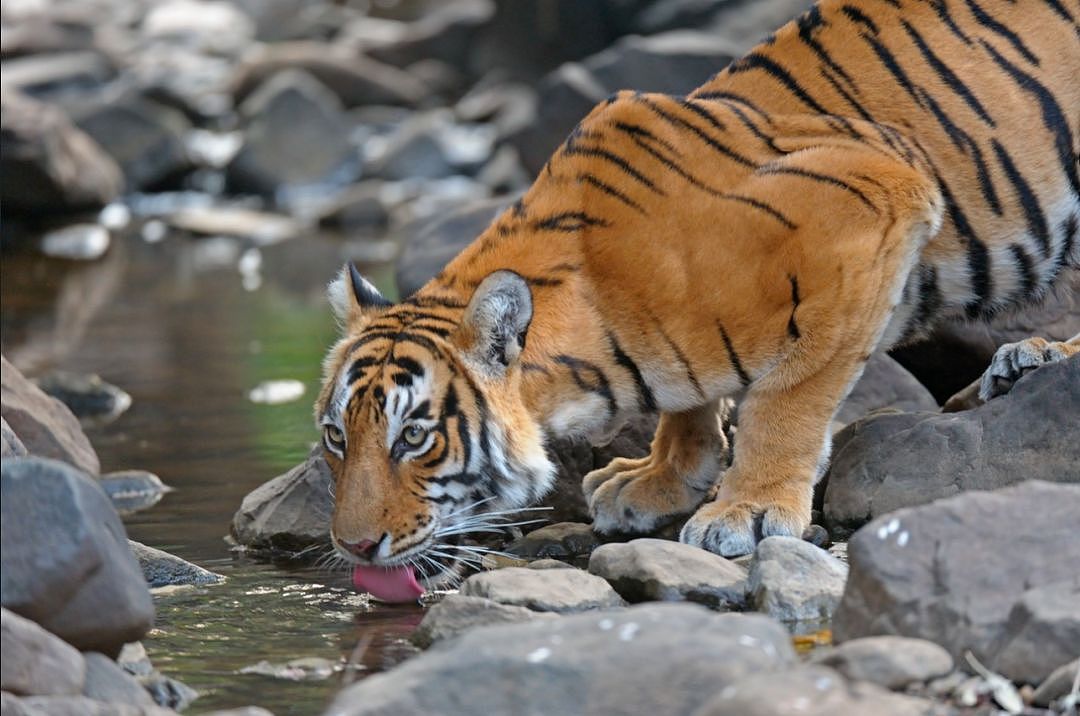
(733, 528)
(637, 496)
(1013, 361)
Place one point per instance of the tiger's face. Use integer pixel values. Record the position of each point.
(423, 425)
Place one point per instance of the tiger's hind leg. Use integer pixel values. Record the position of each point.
(1014, 360)
(638, 495)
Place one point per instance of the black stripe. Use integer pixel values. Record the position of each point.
(1025, 270)
(762, 206)
(733, 97)
(403, 379)
(977, 256)
(809, 22)
(581, 371)
(421, 411)
(1053, 117)
(1069, 231)
(407, 364)
(614, 159)
(611, 191)
(893, 66)
(943, 13)
(736, 364)
(680, 122)
(948, 76)
(749, 124)
(930, 298)
(636, 130)
(857, 16)
(1036, 220)
(815, 176)
(568, 221)
(428, 301)
(1060, 10)
(755, 61)
(691, 376)
(705, 114)
(646, 400)
(987, 20)
(792, 327)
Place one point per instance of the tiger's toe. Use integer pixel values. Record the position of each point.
(1013, 361)
(732, 529)
(639, 500)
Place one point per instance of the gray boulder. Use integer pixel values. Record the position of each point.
(47, 164)
(886, 462)
(66, 562)
(82, 706)
(161, 569)
(884, 384)
(289, 513)
(36, 662)
(44, 425)
(107, 682)
(562, 540)
(445, 31)
(458, 613)
(662, 570)
(973, 572)
(543, 590)
(890, 661)
(12, 446)
(794, 581)
(657, 658)
(1056, 685)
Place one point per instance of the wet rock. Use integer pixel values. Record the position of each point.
(884, 384)
(107, 682)
(458, 613)
(949, 572)
(354, 79)
(35, 661)
(296, 135)
(87, 396)
(814, 691)
(661, 570)
(12, 446)
(66, 562)
(133, 490)
(162, 569)
(1058, 684)
(445, 32)
(562, 540)
(886, 462)
(84, 706)
(260, 226)
(77, 242)
(55, 74)
(556, 590)
(889, 661)
(47, 164)
(44, 425)
(794, 581)
(289, 513)
(679, 655)
(166, 692)
(146, 139)
(308, 668)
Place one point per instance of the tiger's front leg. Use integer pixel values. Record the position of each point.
(684, 462)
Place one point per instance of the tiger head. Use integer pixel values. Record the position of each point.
(423, 425)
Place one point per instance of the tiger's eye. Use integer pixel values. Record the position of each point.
(334, 436)
(414, 435)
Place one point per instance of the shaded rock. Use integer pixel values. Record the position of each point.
(458, 613)
(661, 570)
(133, 490)
(77, 242)
(1056, 685)
(296, 135)
(814, 691)
(678, 654)
(562, 540)
(166, 692)
(884, 384)
(87, 396)
(950, 573)
(508, 106)
(162, 569)
(817, 536)
(359, 208)
(107, 682)
(445, 31)
(889, 661)
(66, 563)
(53, 74)
(85, 706)
(48, 164)
(44, 425)
(412, 150)
(794, 581)
(886, 462)
(554, 590)
(35, 661)
(549, 564)
(12, 446)
(290, 512)
(354, 79)
(504, 174)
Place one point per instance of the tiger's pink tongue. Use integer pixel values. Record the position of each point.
(390, 584)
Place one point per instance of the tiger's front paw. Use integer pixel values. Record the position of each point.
(731, 528)
(637, 496)
(1013, 361)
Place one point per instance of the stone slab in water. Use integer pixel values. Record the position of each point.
(794, 581)
(889, 661)
(562, 540)
(87, 396)
(133, 490)
(162, 569)
(544, 590)
(990, 572)
(37, 662)
(458, 613)
(648, 659)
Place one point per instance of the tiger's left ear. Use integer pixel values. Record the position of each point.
(354, 298)
(493, 329)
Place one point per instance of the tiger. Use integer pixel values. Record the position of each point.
(871, 170)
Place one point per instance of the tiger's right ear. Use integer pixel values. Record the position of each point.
(354, 298)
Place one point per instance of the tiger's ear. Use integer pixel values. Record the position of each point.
(493, 329)
(354, 298)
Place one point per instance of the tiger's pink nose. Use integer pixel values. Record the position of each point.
(364, 549)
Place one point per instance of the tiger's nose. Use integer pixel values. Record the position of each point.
(364, 549)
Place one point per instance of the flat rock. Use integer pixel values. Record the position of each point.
(162, 569)
(1056, 685)
(562, 540)
(106, 681)
(661, 570)
(678, 655)
(886, 462)
(458, 613)
(813, 691)
(554, 590)
(288, 513)
(36, 662)
(889, 661)
(794, 581)
(952, 573)
(259, 226)
(87, 396)
(65, 559)
(133, 490)
(44, 425)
